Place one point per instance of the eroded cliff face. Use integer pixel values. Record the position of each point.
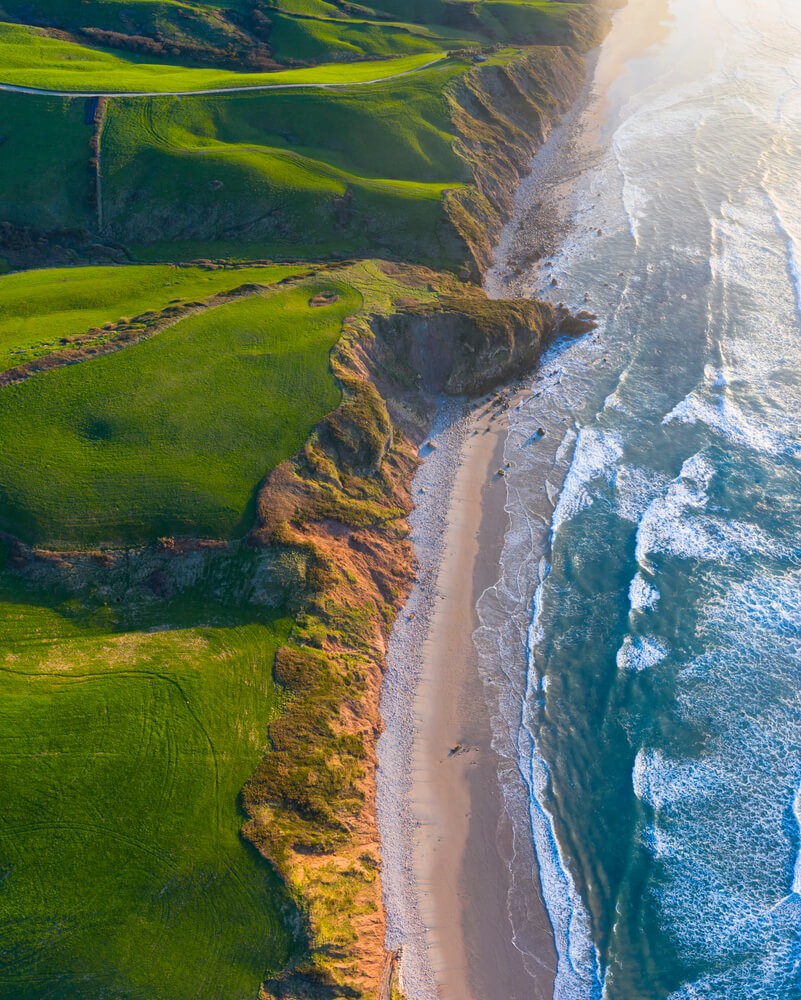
(331, 547)
(502, 115)
(344, 501)
(463, 345)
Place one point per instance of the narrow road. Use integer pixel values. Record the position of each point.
(40, 92)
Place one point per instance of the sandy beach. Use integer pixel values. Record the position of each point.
(447, 836)
(456, 797)
(449, 833)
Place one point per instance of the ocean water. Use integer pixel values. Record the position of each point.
(648, 623)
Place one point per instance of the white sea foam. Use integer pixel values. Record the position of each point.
(796, 887)
(635, 489)
(785, 228)
(731, 421)
(726, 816)
(565, 447)
(662, 782)
(636, 203)
(640, 653)
(578, 962)
(596, 456)
(768, 602)
(642, 594)
(677, 524)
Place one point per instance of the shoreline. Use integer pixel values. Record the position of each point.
(449, 842)
(456, 797)
(451, 823)
(437, 807)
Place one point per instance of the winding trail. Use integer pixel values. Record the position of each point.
(41, 92)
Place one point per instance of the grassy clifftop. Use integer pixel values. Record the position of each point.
(384, 169)
(161, 655)
(172, 434)
(32, 58)
(203, 493)
(414, 168)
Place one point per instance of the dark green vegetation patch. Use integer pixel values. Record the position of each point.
(45, 177)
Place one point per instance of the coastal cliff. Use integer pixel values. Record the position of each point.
(503, 115)
(330, 544)
(344, 501)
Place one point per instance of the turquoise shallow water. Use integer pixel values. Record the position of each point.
(656, 724)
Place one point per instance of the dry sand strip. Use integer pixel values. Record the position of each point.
(456, 795)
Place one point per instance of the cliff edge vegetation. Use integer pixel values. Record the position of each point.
(153, 677)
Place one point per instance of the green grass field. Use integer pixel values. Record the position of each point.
(122, 870)
(523, 22)
(316, 39)
(40, 309)
(29, 58)
(173, 435)
(305, 174)
(45, 179)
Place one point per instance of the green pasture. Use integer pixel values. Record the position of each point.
(301, 174)
(308, 8)
(520, 21)
(45, 177)
(173, 435)
(316, 39)
(30, 58)
(540, 22)
(123, 873)
(39, 310)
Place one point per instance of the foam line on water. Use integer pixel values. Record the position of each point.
(715, 404)
(636, 488)
(796, 888)
(642, 594)
(596, 456)
(678, 524)
(783, 228)
(640, 653)
(578, 974)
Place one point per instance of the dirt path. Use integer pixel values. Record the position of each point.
(39, 92)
